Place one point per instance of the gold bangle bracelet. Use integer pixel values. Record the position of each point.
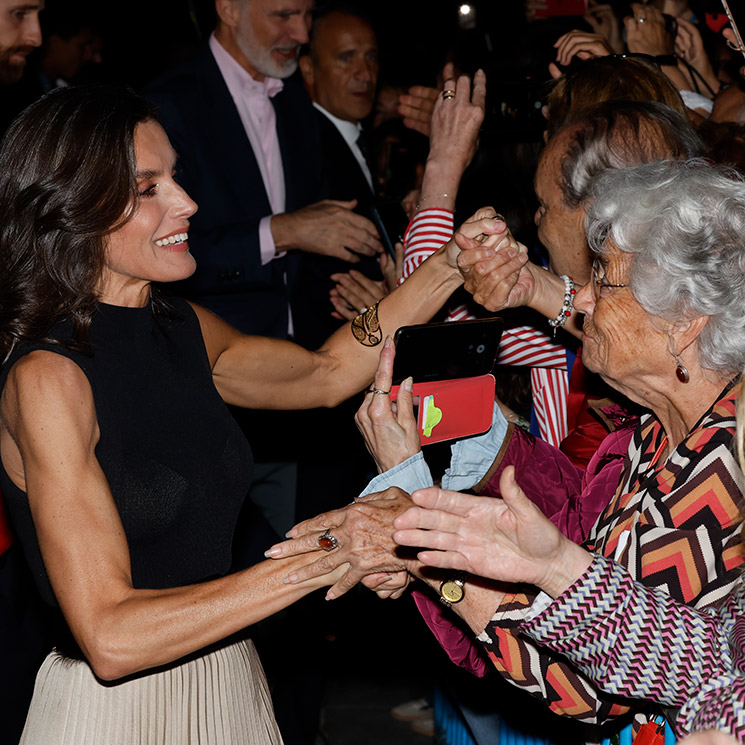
(366, 327)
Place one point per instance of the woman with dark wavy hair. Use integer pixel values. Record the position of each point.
(122, 469)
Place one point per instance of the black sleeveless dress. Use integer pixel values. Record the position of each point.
(178, 468)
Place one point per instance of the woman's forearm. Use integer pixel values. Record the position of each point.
(256, 372)
(440, 184)
(148, 628)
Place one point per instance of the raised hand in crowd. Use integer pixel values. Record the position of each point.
(677, 9)
(580, 44)
(416, 106)
(354, 291)
(689, 46)
(603, 20)
(456, 121)
(647, 31)
(506, 539)
(329, 228)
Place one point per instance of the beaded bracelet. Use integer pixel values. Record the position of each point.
(567, 306)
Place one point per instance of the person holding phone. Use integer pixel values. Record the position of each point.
(651, 492)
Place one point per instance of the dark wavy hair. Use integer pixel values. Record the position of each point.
(67, 180)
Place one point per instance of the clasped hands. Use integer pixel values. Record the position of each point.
(508, 540)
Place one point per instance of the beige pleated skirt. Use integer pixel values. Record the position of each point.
(219, 698)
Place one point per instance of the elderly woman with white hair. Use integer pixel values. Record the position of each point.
(664, 325)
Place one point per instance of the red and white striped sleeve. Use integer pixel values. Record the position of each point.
(428, 231)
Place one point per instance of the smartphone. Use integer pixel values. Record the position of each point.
(391, 222)
(446, 351)
(562, 8)
(738, 37)
(449, 409)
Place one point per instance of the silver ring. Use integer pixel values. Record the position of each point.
(641, 19)
(448, 93)
(327, 541)
(378, 392)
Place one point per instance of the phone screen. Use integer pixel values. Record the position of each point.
(446, 351)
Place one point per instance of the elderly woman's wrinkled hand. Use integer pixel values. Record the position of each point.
(494, 266)
(507, 539)
(646, 31)
(389, 427)
(363, 533)
(456, 121)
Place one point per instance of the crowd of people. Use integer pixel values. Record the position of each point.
(198, 292)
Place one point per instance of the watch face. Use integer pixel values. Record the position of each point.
(452, 590)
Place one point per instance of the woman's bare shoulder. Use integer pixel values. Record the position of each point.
(44, 382)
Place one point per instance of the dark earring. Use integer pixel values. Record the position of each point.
(680, 371)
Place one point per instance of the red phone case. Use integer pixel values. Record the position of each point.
(562, 8)
(449, 409)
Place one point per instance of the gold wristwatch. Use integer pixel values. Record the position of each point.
(453, 590)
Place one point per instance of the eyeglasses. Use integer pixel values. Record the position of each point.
(598, 280)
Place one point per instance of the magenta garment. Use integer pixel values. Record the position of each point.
(571, 498)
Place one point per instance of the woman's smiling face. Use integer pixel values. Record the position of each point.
(152, 245)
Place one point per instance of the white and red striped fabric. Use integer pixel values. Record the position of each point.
(524, 346)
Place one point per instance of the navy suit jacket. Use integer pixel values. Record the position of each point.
(218, 169)
(343, 179)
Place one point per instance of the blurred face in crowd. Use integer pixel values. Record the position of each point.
(64, 58)
(265, 35)
(561, 229)
(341, 72)
(19, 35)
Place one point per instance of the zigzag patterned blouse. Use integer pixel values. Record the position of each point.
(640, 643)
(674, 525)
